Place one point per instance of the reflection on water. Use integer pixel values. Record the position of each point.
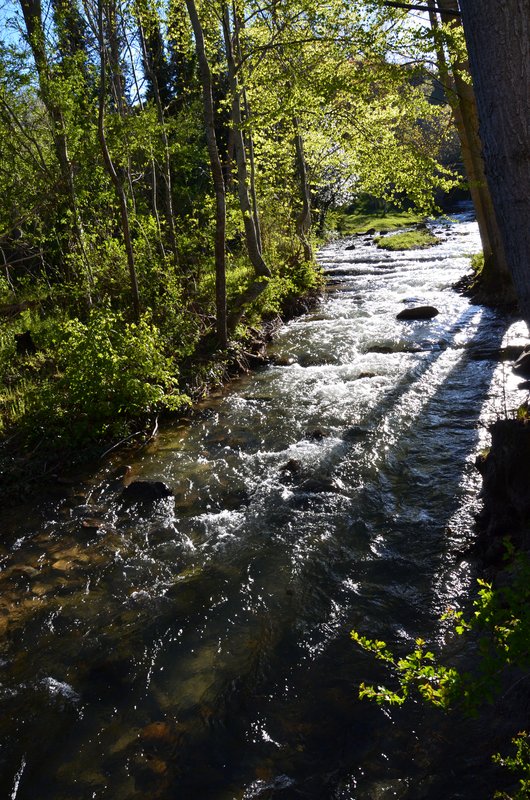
(198, 648)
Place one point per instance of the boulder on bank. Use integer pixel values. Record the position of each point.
(522, 364)
(24, 344)
(505, 471)
(418, 312)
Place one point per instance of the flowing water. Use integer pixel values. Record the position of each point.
(199, 647)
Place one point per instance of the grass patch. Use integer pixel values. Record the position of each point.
(408, 240)
(349, 224)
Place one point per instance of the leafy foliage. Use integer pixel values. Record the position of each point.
(500, 626)
(518, 763)
(108, 372)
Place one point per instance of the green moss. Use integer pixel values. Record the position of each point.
(408, 240)
(477, 263)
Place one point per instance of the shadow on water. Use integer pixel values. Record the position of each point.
(392, 590)
(227, 672)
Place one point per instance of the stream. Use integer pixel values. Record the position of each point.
(198, 647)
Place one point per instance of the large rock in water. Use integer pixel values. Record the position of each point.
(418, 312)
(145, 492)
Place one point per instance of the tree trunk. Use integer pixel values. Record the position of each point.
(496, 278)
(166, 177)
(249, 139)
(217, 175)
(253, 244)
(32, 13)
(111, 170)
(498, 42)
(303, 221)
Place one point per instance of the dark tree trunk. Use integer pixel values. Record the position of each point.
(498, 42)
(303, 221)
(149, 62)
(251, 229)
(496, 277)
(217, 175)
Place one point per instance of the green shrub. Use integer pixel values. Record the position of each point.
(106, 373)
(114, 368)
(477, 263)
(500, 626)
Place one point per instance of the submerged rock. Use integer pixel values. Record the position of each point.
(418, 312)
(92, 523)
(354, 433)
(319, 485)
(316, 435)
(160, 735)
(289, 470)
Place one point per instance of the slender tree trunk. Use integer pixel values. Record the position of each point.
(32, 13)
(498, 41)
(248, 140)
(496, 278)
(253, 244)
(217, 175)
(166, 178)
(111, 170)
(303, 221)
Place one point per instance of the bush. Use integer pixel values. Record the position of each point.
(109, 372)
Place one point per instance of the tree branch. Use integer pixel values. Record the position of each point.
(411, 7)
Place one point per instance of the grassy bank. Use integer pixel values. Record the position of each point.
(417, 239)
(357, 223)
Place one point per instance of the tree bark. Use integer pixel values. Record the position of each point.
(495, 278)
(217, 175)
(253, 244)
(32, 13)
(249, 139)
(166, 177)
(303, 221)
(498, 42)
